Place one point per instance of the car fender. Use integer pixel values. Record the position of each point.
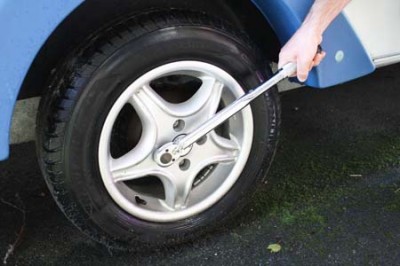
(25, 25)
(346, 59)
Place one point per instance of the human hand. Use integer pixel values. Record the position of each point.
(302, 49)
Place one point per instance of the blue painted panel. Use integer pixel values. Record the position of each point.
(286, 16)
(24, 27)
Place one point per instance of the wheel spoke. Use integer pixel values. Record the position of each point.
(156, 114)
(206, 100)
(177, 190)
(142, 150)
(216, 149)
(134, 170)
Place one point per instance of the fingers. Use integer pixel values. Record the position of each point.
(283, 60)
(304, 63)
(318, 58)
(303, 67)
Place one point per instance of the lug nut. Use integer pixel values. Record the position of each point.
(184, 164)
(179, 125)
(201, 140)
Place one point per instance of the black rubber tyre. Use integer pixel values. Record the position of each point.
(83, 90)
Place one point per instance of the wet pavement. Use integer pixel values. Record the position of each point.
(334, 197)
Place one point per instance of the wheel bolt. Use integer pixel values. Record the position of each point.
(184, 164)
(179, 125)
(201, 140)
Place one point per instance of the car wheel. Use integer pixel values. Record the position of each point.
(134, 87)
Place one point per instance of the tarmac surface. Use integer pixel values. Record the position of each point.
(334, 197)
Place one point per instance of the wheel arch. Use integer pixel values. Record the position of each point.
(78, 25)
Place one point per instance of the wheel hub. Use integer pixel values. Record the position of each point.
(169, 153)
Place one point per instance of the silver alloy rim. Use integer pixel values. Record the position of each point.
(162, 122)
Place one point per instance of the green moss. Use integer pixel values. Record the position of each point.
(393, 204)
(287, 218)
(307, 176)
(309, 215)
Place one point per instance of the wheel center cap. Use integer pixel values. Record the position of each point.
(169, 153)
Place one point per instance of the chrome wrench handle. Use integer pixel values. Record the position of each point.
(230, 110)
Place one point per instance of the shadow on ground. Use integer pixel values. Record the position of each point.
(334, 195)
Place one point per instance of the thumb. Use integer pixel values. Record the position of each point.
(302, 70)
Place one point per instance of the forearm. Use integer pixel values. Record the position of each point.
(322, 13)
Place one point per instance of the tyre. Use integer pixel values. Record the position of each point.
(133, 87)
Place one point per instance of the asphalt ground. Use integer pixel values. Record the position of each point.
(334, 195)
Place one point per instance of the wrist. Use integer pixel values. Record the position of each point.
(311, 31)
(312, 28)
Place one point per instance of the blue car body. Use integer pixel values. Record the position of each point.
(26, 25)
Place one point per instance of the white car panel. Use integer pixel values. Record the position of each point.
(377, 23)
